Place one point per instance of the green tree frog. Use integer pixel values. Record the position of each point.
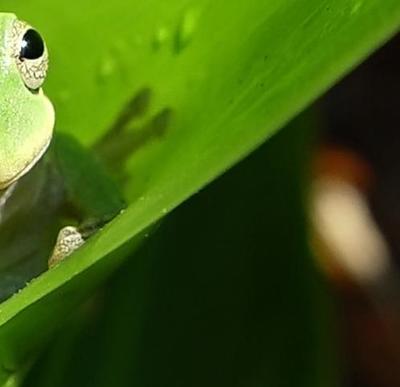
(54, 193)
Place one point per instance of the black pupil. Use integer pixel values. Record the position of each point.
(32, 46)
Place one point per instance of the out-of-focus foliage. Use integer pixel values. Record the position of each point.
(224, 293)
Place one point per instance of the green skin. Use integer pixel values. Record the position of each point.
(43, 188)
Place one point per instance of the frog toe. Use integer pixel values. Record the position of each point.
(69, 239)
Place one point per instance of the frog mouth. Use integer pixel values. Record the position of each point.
(27, 167)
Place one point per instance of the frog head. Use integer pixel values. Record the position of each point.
(26, 114)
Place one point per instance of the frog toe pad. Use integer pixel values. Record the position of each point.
(69, 239)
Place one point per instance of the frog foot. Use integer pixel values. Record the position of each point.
(69, 239)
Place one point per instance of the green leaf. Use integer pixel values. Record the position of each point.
(230, 74)
(224, 293)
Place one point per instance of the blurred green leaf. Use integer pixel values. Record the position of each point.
(229, 73)
(223, 294)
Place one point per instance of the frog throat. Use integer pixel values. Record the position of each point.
(27, 168)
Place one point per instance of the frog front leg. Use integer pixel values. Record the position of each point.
(89, 188)
(91, 196)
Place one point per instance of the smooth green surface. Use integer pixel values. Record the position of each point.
(230, 73)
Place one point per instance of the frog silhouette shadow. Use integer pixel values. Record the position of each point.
(128, 134)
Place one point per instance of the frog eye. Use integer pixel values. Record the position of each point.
(30, 53)
(32, 45)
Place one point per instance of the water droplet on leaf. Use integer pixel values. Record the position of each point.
(356, 7)
(106, 67)
(186, 29)
(160, 38)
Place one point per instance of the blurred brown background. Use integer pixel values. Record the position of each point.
(356, 209)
